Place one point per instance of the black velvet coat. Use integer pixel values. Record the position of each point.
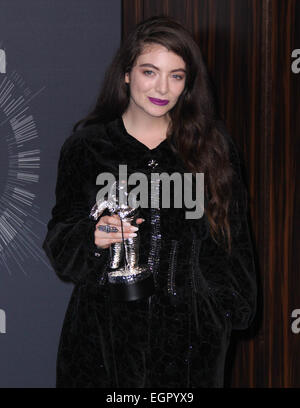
(179, 336)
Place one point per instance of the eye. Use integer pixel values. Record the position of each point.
(146, 72)
(179, 77)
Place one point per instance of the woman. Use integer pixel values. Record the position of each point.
(205, 284)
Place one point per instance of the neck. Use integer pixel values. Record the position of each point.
(142, 123)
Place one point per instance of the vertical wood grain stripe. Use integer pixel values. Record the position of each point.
(247, 46)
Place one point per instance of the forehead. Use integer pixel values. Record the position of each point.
(156, 51)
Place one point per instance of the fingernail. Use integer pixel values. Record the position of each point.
(133, 234)
(134, 228)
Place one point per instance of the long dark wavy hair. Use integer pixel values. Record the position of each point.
(192, 128)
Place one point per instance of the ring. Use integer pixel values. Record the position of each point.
(107, 228)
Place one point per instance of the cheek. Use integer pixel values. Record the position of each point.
(141, 86)
(176, 86)
(182, 86)
(178, 90)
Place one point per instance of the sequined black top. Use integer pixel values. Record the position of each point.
(177, 337)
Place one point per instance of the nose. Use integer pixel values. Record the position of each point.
(162, 85)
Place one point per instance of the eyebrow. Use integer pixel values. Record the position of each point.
(153, 66)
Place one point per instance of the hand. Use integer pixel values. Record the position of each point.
(104, 239)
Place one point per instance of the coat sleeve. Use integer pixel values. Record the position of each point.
(231, 278)
(69, 242)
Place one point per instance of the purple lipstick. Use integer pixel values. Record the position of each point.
(160, 102)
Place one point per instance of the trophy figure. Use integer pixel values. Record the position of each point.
(131, 281)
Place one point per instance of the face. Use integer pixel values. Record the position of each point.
(156, 80)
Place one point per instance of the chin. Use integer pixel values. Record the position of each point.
(158, 110)
(157, 114)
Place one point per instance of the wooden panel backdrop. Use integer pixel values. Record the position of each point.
(247, 46)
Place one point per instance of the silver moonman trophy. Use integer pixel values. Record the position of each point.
(130, 281)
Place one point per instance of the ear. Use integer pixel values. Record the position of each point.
(127, 79)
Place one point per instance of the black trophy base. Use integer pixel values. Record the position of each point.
(128, 292)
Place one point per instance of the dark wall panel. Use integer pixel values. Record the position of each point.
(55, 53)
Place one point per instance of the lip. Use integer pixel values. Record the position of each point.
(158, 101)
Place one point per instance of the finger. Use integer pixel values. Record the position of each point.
(116, 235)
(109, 220)
(126, 229)
(115, 221)
(107, 242)
(140, 220)
(126, 224)
(104, 246)
(113, 241)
